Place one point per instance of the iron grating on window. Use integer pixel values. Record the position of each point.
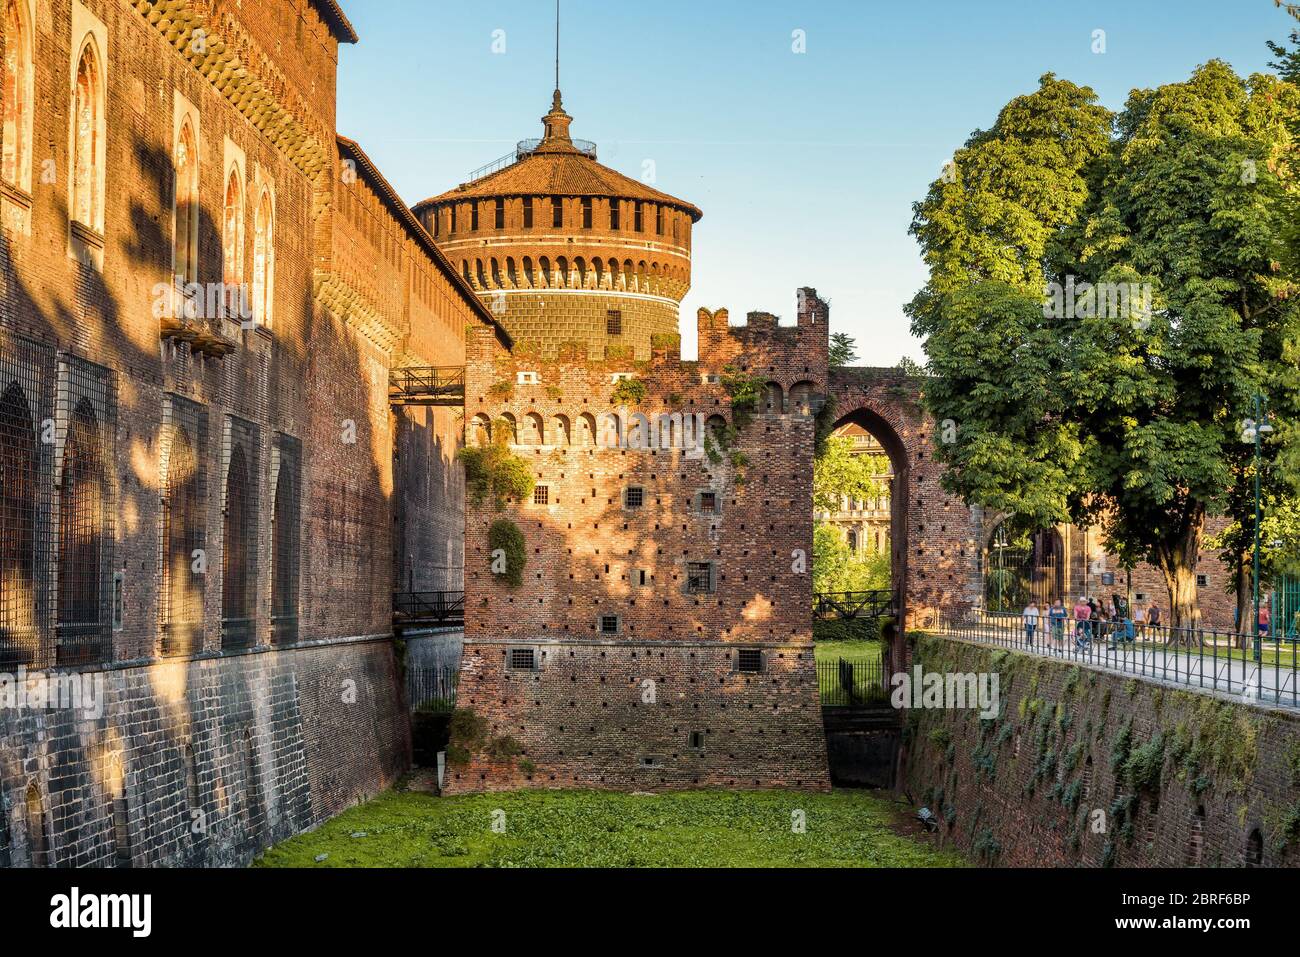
(635, 497)
(541, 495)
(523, 659)
(239, 535)
(286, 532)
(86, 419)
(749, 659)
(26, 460)
(699, 578)
(184, 561)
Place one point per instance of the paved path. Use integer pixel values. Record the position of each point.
(1218, 670)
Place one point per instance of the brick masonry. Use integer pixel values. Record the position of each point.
(282, 735)
(1042, 784)
(662, 702)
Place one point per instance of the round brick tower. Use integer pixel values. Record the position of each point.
(573, 257)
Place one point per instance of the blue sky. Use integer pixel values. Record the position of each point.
(805, 165)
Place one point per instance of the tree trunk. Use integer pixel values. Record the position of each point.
(1245, 597)
(1177, 558)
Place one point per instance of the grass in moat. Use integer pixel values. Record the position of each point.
(606, 829)
(851, 649)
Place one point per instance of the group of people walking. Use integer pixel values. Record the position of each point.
(1090, 620)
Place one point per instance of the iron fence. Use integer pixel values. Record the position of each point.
(1208, 659)
(853, 604)
(432, 690)
(852, 682)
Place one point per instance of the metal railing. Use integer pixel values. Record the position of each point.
(432, 690)
(427, 385)
(1205, 659)
(430, 607)
(852, 682)
(853, 604)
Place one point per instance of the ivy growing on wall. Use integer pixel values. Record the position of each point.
(493, 470)
(505, 538)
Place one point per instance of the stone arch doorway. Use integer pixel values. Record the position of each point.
(862, 520)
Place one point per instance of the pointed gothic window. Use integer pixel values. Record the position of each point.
(263, 259)
(88, 132)
(17, 156)
(185, 251)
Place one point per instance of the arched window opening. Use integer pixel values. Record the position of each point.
(536, 430)
(506, 431)
(87, 132)
(19, 472)
(560, 430)
(774, 399)
(1255, 849)
(232, 239)
(182, 582)
(853, 542)
(264, 260)
(82, 630)
(586, 429)
(238, 543)
(480, 433)
(185, 239)
(16, 166)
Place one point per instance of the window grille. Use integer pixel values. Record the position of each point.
(699, 578)
(26, 400)
(239, 536)
(635, 497)
(708, 501)
(749, 659)
(286, 531)
(523, 659)
(86, 413)
(609, 624)
(541, 495)
(614, 322)
(184, 563)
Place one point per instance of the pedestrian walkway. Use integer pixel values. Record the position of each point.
(1212, 662)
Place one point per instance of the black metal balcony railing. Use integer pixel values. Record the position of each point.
(427, 385)
(853, 604)
(429, 607)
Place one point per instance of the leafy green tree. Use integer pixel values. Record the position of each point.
(840, 472)
(843, 350)
(1110, 411)
(836, 569)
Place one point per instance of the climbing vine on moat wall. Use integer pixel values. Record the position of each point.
(1095, 758)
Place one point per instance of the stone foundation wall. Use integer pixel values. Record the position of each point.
(203, 762)
(1087, 768)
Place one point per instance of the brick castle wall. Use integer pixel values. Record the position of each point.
(587, 553)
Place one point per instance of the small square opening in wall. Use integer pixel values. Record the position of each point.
(541, 495)
(699, 578)
(749, 660)
(1202, 581)
(522, 659)
(609, 625)
(708, 501)
(527, 378)
(1140, 596)
(634, 497)
(652, 761)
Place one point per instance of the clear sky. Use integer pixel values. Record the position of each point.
(805, 164)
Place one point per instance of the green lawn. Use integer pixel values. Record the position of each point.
(605, 829)
(855, 650)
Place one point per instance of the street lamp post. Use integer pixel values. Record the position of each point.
(1254, 433)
